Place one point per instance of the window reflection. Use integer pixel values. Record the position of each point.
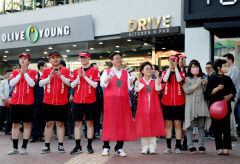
(1, 7)
(227, 45)
(9, 6)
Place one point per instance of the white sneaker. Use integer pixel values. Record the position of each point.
(152, 151)
(178, 151)
(167, 151)
(23, 151)
(105, 152)
(144, 151)
(121, 153)
(13, 151)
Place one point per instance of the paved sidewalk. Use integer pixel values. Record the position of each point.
(132, 148)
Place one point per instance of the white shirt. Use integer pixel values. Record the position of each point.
(4, 90)
(118, 73)
(233, 73)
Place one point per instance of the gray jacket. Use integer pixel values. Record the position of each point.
(195, 106)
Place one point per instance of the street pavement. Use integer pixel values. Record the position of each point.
(132, 148)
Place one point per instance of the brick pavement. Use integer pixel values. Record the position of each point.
(132, 148)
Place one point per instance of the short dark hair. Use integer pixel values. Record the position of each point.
(92, 64)
(218, 63)
(229, 56)
(40, 64)
(156, 67)
(9, 70)
(63, 63)
(164, 68)
(114, 54)
(210, 63)
(143, 65)
(196, 63)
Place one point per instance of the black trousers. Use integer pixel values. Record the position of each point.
(69, 125)
(5, 116)
(97, 114)
(38, 123)
(118, 146)
(222, 133)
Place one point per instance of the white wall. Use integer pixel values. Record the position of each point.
(198, 45)
(110, 16)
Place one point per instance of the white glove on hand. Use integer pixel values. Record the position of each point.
(133, 75)
(112, 73)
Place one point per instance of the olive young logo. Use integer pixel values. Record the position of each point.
(32, 29)
(32, 34)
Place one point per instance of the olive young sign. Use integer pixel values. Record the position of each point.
(32, 34)
(44, 33)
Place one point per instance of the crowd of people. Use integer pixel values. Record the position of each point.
(126, 104)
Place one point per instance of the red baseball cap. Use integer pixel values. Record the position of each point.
(172, 58)
(84, 54)
(182, 56)
(25, 54)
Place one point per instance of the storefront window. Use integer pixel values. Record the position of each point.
(227, 45)
(1, 7)
(13, 6)
(29, 4)
(9, 6)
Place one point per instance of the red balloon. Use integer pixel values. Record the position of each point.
(219, 109)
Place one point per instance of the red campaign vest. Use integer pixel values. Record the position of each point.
(117, 117)
(85, 93)
(22, 93)
(149, 119)
(56, 92)
(173, 94)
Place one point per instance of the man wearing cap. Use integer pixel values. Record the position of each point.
(84, 80)
(23, 80)
(117, 116)
(56, 80)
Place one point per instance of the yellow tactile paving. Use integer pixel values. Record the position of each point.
(85, 158)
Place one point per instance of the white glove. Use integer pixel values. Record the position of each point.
(111, 74)
(133, 75)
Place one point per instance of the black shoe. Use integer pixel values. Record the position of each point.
(202, 150)
(40, 139)
(90, 150)
(193, 150)
(71, 136)
(95, 138)
(32, 140)
(233, 138)
(61, 149)
(8, 133)
(45, 150)
(184, 147)
(76, 150)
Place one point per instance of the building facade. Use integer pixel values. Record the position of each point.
(141, 30)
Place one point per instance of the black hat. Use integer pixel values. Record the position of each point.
(53, 52)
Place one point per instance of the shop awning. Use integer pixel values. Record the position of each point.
(224, 29)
